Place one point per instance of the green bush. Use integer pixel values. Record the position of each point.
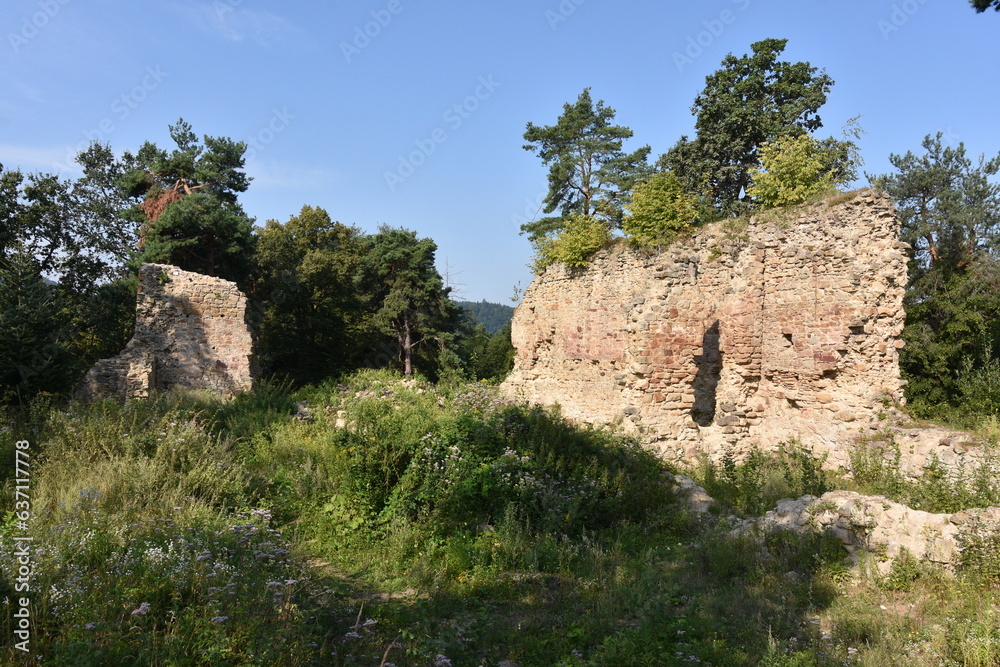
(754, 485)
(660, 209)
(580, 238)
(792, 170)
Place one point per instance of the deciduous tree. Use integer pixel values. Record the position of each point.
(313, 322)
(751, 100)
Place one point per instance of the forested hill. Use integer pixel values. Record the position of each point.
(493, 316)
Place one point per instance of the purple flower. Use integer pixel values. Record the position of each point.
(142, 610)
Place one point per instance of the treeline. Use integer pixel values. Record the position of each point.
(493, 316)
(756, 147)
(326, 297)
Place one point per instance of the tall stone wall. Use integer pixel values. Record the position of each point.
(190, 332)
(786, 328)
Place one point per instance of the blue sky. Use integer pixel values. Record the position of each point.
(411, 112)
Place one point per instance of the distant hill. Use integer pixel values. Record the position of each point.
(493, 316)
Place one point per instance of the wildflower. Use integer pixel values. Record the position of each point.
(369, 622)
(89, 626)
(142, 610)
(291, 582)
(203, 556)
(219, 620)
(352, 635)
(441, 661)
(274, 584)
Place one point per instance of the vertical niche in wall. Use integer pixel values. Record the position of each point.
(706, 379)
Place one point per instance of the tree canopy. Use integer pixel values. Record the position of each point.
(589, 172)
(950, 212)
(751, 100)
(193, 218)
(406, 294)
(312, 324)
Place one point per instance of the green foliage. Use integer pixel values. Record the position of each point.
(982, 5)
(190, 204)
(205, 234)
(979, 386)
(659, 210)
(75, 233)
(874, 467)
(589, 173)
(493, 316)
(313, 324)
(36, 351)
(950, 213)
(486, 356)
(751, 100)
(755, 484)
(792, 170)
(400, 462)
(407, 298)
(905, 572)
(581, 237)
(405, 521)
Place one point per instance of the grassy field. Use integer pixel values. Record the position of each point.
(404, 523)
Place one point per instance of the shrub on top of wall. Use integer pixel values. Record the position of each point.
(581, 237)
(660, 209)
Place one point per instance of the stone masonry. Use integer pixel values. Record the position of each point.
(190, 332)
(785, 328)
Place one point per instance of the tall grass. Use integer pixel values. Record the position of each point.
(405, 523)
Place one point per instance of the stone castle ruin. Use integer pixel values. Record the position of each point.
(785, 327)
(190, 332)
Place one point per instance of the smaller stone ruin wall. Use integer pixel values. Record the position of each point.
(190, 332)
(741, 335)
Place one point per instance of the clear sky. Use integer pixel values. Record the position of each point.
(411, 112)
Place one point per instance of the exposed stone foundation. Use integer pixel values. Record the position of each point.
(190, 332)
(788, 328)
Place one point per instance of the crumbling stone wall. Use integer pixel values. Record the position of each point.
(190, 332)
(786, 328)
